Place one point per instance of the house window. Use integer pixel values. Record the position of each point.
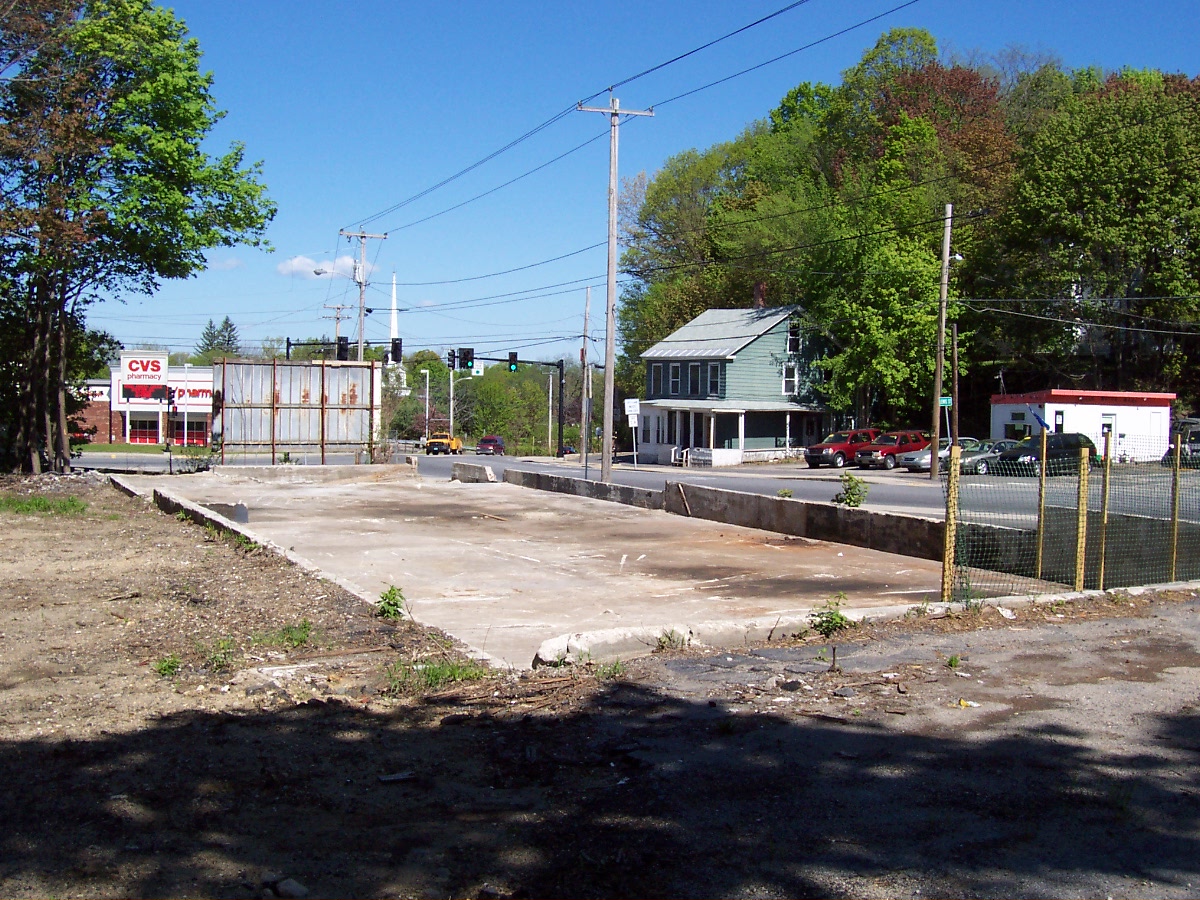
(793, 338)
(645, 429)
(693, 379)
(714, 379)
(674, 379)
(656, 380)
(789, 381)
(670, 428)
(658, 435)
(1018, 417)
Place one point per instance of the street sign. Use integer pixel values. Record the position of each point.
(633, 420)
(477, 370)
(945, 401)
(632, 406)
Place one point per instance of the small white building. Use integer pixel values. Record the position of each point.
(1140, 422)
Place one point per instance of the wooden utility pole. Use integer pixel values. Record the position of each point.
(614, 113)
(337, 319)
(939, 361)
(360, 278)
(585, 388)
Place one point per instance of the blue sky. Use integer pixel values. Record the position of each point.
(353, 108)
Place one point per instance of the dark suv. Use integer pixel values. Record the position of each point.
(839, 448)
(1062, 455)
(491, 445)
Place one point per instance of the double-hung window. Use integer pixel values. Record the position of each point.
(674, 379)
(693, 388)
(793, 337)
(656, 380)
(714, 379)
(789, 380)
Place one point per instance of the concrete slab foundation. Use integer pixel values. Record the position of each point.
(506, 570)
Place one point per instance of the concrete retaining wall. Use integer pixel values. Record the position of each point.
(886, 532)
(643, 498)
(314, 474)
(472, 473)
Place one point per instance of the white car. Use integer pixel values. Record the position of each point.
(920, 461)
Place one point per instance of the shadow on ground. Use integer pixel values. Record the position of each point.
(635, 794)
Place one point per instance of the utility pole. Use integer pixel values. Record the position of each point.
(550, 413)
(360, 277)
(939, 361)
(585, 389)
(337, 319)
(614, 113)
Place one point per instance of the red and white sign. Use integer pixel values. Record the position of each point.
(143, 367)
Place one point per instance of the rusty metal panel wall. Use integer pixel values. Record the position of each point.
(288, 406)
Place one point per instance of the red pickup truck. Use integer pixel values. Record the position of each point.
(840, 447)
(889, 447)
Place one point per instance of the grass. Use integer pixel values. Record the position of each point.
(953, 662)
(829, 619)
(42, 506)
(168, 666)
(291, 636)
(392, 604)
(121, 448)
(431, 675)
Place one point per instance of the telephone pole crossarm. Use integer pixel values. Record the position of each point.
(360, 278)
(614, 113)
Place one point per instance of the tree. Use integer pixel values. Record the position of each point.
(104, 184)
(217, 341)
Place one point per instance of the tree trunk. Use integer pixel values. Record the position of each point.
(62, 462)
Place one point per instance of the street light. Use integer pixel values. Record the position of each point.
(359, 278)
(425, 372)
(468, 378)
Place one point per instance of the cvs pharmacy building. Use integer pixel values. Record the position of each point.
(159, 402)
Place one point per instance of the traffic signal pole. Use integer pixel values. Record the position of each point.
(513, 362)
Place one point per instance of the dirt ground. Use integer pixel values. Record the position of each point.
(171, 726)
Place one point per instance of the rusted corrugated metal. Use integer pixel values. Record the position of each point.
(295, 407)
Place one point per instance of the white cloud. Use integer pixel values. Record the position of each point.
(308, 268)
(224, 265)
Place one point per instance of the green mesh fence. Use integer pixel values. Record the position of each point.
(1130, 519)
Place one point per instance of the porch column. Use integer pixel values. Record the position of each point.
(678, 427)
(787, 431)
(712, 431)
(691, 429)
(741, 431)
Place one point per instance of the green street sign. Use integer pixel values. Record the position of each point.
(945, 401)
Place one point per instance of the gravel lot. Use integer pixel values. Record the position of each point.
(1053, 752)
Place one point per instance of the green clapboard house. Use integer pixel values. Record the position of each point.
(729, 386)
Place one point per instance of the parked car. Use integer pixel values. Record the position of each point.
(920, 460)
(885, 450)
(840, 447)
(1062, 455)
(492, 445)
(982, 460)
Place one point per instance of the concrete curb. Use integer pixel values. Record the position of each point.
(472, 473)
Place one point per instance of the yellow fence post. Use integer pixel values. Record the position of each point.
(1081, 512)
(1175, 461)
(1104, 505)
(1041, 517)
(950, 533)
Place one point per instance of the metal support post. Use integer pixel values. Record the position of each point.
(1041, 515)
(1175, 465)
(562, 392)
(1104, 507)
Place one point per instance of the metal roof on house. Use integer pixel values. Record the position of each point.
(718, 333)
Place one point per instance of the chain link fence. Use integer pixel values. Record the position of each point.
(1074, 514)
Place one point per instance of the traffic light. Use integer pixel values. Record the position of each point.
(512, 362)
(397, 351)
(343, 349)
(170, 396)
(450, 359)
(466, 358)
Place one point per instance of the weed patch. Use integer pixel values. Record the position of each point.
(292, 636)
(219, 656)
(829, 619)
(670, 640)
(168, 666)
(431, 675)
(609, 671)
(853, 492)
(785, 493)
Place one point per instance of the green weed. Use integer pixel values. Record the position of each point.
(853, 492)
(220, 655)
(953, 662)
(43, 506)
(288, 636)
(168, 666)
(829, 619)
(670, 640)
(244, 543)
(785, 493)
(431, 675)
(392, 604)
(610, 671)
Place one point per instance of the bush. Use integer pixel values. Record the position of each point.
(853, 492)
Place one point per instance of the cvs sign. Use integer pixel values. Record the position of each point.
(143, 367)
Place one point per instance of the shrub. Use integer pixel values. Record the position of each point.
(853, 492)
